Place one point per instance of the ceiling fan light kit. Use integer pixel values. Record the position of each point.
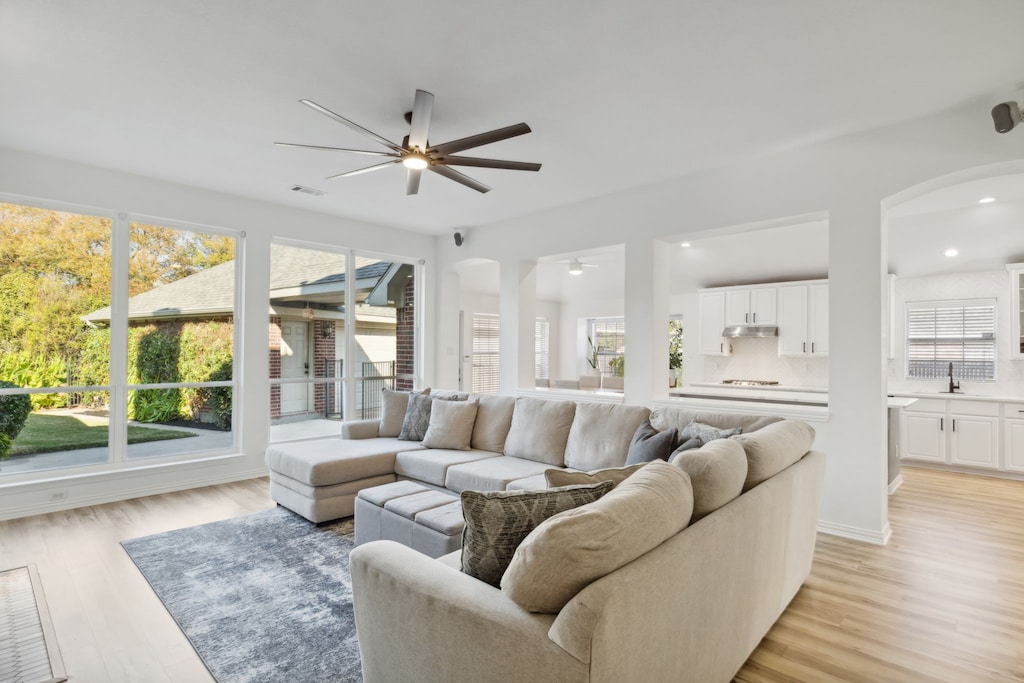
(415, 152)
(575, 267)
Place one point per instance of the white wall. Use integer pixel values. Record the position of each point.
(33, 176)
(849, 179)
(990, 284)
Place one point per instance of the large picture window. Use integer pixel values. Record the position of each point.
(961, 333)
(116, 337)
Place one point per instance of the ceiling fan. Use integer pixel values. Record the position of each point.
(416, 153)
(576, 265)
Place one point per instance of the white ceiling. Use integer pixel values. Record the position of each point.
(618, 94)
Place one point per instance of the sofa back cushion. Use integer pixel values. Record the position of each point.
(717, 472)
(540, 430)
(600, 434)
(393, 407)
(451, 424)
(774, 448)
(666, 418)
(493, 419)
(569, 551)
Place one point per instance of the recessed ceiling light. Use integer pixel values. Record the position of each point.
(986, 200)
(951, 252)
(686, 244)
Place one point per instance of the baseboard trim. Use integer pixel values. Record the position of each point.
(856, 533)
(895, 484)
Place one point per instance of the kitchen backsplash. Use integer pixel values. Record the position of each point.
(758, 358)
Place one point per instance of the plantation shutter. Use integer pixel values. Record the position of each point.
(541, 349)
(943, 332)
(485, 354)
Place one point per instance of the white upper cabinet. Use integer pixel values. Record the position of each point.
(712, 321)
(803, 320)
(754, 306)
(1016, 310)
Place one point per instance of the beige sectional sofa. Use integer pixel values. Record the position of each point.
(693, 608)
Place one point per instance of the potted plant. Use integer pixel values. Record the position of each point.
(675, 352)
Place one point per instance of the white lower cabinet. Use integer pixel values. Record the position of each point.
(1013, 445)
(952, 432)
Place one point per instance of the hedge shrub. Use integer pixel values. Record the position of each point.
(14, 410)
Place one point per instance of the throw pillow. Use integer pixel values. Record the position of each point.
(649, 444)
(616, 475)
(687, 445)
(451, 424)
(393, 405)
(417, 418)
(706, 432)
(498, 521)
(540, 430)
(571, 550)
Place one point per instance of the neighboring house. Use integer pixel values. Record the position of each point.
(307, 323)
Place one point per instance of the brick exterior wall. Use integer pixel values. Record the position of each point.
(275, 366)
(323, 361)
(405, 338)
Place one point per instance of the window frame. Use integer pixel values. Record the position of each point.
(604, 358)
(477, 386)
(978, 345)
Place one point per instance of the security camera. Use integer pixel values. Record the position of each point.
(1005, 116)
(459, 239)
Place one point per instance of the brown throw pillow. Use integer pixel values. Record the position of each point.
(498, 521)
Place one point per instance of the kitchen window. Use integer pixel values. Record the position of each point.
(959, 332)
(608, 345)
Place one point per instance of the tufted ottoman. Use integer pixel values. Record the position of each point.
(419, 517)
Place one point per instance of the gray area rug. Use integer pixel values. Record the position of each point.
(264, 597)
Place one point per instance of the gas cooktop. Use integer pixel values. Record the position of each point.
(750, 382)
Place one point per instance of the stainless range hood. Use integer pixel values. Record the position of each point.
(751, 331)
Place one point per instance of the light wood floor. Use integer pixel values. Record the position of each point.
(944, 601)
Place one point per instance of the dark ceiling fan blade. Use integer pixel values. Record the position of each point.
(489, 163)
(351, 124)
(480, 139)
(412, 180)
(336, 149)
(452, 174)
(375, 167)
(421, 110)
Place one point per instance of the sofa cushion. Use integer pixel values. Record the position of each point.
(393, 407)
(600, 434)
(498, 521)
(574, 548)
(534, 482)
(540, 430)
(417, 418)
(431, 464)
(774, 448)
(450, 425)
(493, 419)
(649, 444)
(717, 471)
(689, 444)
(666, 418)
(706, 432)
(492, 474)
(449, 395)
(616, 475)
(321, 462)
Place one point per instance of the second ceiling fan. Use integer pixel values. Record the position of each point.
(416, 153)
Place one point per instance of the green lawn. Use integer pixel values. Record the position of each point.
(50, 433)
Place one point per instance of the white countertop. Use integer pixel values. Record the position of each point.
(965, 396)
(772, 395)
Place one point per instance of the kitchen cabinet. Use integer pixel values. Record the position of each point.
(1013, 437)
(1016, 310)
(754, 306)
(712, 321)
(803, 319)
(952, 432)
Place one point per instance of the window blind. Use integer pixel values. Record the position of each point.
(485, 354)
(541, 349)
(961, 333)
(609, 338)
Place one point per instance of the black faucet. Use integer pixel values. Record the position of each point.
(952, 387)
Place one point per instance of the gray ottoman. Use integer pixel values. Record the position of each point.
(419, 517)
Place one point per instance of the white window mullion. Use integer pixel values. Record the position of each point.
(120, 251)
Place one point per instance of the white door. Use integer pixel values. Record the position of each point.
(793, 321)
(973, 441)
(817, 320)
(294, 364)
(1013, 444)
(763, 305)
(924, 436)
(712, 320)
(737, 307)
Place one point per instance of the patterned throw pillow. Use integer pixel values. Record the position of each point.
(706, 432)
(417, 418)
(498, 521)
(649, 444)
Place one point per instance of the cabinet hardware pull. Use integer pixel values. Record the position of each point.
(721, 348)
(805, 347)
(812, 347)
(942, 424)
(746, 317)
(954, 424)
(755, 317)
